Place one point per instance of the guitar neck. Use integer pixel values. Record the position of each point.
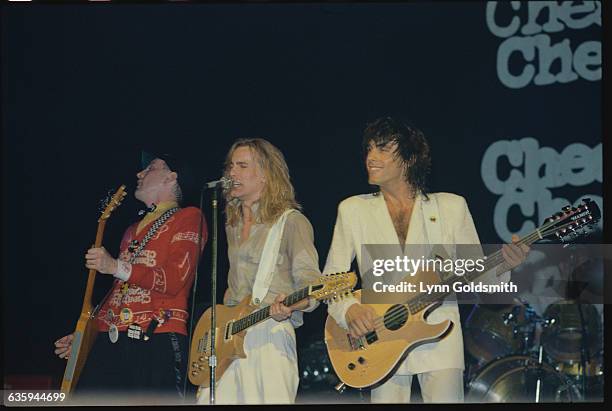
(493, 261)
(91, 278)
(264, 313)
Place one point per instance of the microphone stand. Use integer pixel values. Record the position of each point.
(212, 360)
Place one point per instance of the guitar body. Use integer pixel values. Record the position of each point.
(371, 360)
(228, 347)
(85, 334)
(233, 323)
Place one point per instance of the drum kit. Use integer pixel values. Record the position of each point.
(520, 356)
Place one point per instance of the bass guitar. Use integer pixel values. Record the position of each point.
(371, 359)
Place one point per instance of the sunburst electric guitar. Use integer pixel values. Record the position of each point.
(371, 359)
(86, 329)
(233, 322)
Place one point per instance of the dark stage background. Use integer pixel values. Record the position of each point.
(84, 87)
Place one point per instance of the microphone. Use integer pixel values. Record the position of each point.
(223, 182)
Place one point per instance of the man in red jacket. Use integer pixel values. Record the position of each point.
(142, 344)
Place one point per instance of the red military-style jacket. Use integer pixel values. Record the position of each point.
(161, 276)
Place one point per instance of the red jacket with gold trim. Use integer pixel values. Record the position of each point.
(161, 278)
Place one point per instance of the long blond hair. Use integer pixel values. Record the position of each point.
(278, 193)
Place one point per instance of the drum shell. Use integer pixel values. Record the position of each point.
(514, 379)
(594, 368)
(487, 337)
(562, 340)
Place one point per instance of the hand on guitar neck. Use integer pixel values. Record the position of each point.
(360, 318)
(514, 254)
(64, 346)
(281, 312)
(100, 260)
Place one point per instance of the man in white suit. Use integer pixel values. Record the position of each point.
(398, 161)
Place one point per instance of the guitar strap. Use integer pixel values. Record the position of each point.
(269, 256)
(152, 230)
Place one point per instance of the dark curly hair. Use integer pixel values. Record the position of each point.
(412, 148)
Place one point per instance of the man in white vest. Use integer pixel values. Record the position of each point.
(398, 161)
(271, 254)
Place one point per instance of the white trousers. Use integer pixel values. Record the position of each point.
(268, 374)
(436, 386)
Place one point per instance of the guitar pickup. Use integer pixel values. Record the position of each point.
(204, 346)
(227, 335)
(360, 343)
(202, 343)
(371, 337)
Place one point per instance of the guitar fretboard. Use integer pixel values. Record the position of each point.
(264, 313)
(493, 261)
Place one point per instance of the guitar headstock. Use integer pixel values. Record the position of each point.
(333, 286)
(571, 222)
(113, 202)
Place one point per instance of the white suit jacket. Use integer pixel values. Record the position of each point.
(364, 219)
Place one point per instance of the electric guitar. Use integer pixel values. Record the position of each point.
(86, 329)
(233, 322)
(371, 359)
